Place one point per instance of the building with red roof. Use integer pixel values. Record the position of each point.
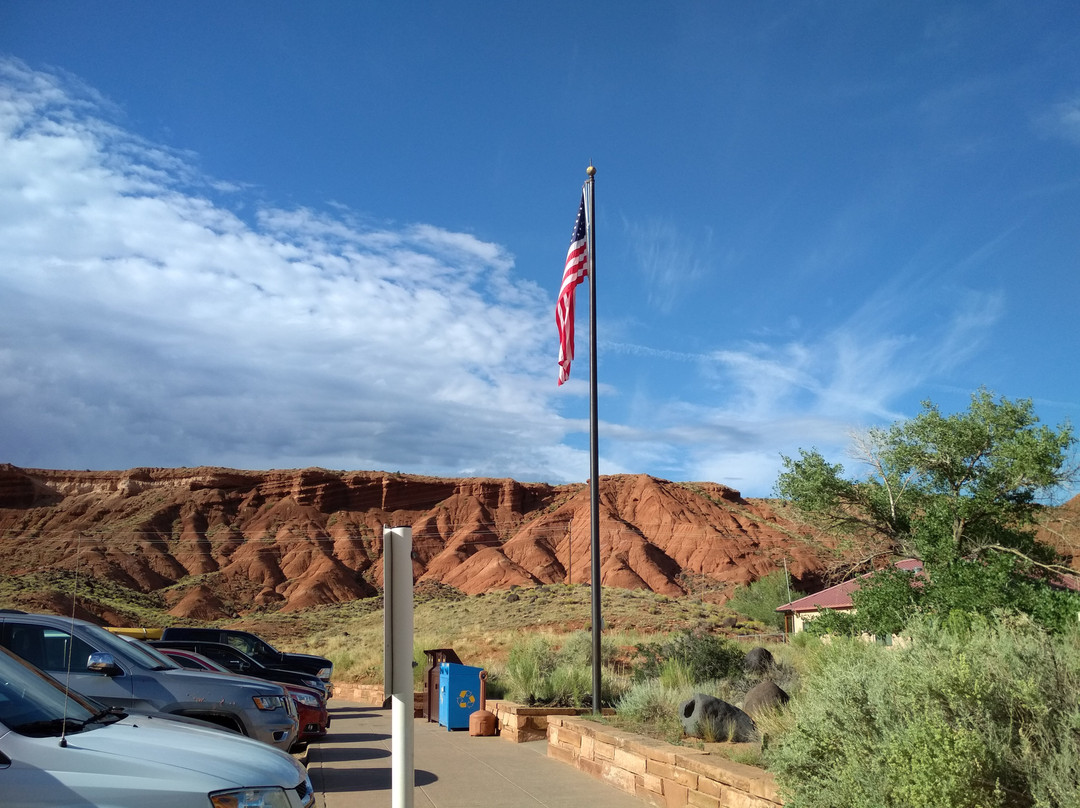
(837, 598)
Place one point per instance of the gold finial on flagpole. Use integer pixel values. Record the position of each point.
(591, 170)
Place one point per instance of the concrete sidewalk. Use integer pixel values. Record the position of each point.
(351, 768)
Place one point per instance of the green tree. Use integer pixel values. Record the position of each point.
(759, 600)
(961, 492)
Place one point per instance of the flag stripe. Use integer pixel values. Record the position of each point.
(575, 270)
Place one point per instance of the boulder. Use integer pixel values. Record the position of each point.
(764, 696)
(758, 660)
(705, 716)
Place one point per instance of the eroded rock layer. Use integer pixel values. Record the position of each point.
(221, 541)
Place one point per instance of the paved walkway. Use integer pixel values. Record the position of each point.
(351, 768)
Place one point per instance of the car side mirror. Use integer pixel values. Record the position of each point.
(102, 662)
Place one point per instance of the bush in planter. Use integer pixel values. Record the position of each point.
(528, 667)
(538, 674)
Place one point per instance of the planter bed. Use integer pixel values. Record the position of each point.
(518, 723)
(658, 772)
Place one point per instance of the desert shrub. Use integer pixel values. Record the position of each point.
(675, 673)
(706, 656)
(570, 685)
(528, 667)
(650, 704)
(758, 601)
(539, 673)
(983, 717)
(577, 649)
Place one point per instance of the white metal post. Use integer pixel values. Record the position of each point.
(398, 634)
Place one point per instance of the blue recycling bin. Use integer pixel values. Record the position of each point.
(459, 694)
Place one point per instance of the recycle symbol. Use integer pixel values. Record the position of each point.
(465, 699)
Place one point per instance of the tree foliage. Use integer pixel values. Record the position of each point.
(960, 492)
(759, 600)
(940, 487)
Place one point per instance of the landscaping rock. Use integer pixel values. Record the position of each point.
(764, 696)
(705, 716)
(758, 660)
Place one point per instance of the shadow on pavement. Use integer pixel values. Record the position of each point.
(352, 712)
(340, 753)
(331, 780)
(354, 737)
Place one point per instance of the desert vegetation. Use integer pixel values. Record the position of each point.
(972, 702)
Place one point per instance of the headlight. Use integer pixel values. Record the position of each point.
(324, 673)
(269, 702)
(250, 798)
(307, 699)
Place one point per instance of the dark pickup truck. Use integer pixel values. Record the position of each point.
(256, 648)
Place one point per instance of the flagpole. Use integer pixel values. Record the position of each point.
(594, 453)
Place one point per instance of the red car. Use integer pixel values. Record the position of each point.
(311, 709)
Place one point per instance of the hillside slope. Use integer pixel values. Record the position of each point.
(216, 542)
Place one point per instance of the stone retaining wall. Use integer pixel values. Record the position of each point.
(372, 695)
(518, 723)
(662, 774)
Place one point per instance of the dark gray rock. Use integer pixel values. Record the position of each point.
(705, 716)
(764, 696)
(758, 660)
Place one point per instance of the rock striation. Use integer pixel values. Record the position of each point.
(220, 542)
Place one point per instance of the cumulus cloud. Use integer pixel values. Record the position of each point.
(146, 323)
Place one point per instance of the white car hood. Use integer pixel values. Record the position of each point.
(147, 746)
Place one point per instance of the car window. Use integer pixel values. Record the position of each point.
(242, 643)
(26, 696)
(50, 649)
(224, 655)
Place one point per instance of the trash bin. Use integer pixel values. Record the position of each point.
(436, 656)
(459, 694)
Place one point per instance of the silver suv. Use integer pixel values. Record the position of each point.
(58, 749)
(95, 663)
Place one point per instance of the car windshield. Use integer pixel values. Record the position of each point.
(32, 704)
(163, 660)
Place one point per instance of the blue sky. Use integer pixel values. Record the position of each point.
(277, 235)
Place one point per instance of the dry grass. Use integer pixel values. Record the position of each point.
(482, 629)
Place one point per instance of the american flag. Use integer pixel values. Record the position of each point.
(574, 272)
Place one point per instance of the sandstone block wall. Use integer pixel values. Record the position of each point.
(372, 695)
(518, 723)
(664, 775)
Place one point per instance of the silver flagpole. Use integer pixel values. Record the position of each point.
(594, 460)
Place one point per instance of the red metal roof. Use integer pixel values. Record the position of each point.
(839, 596)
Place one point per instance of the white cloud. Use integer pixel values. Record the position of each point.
(1063, 120)
(669, 260)
(144, 324)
